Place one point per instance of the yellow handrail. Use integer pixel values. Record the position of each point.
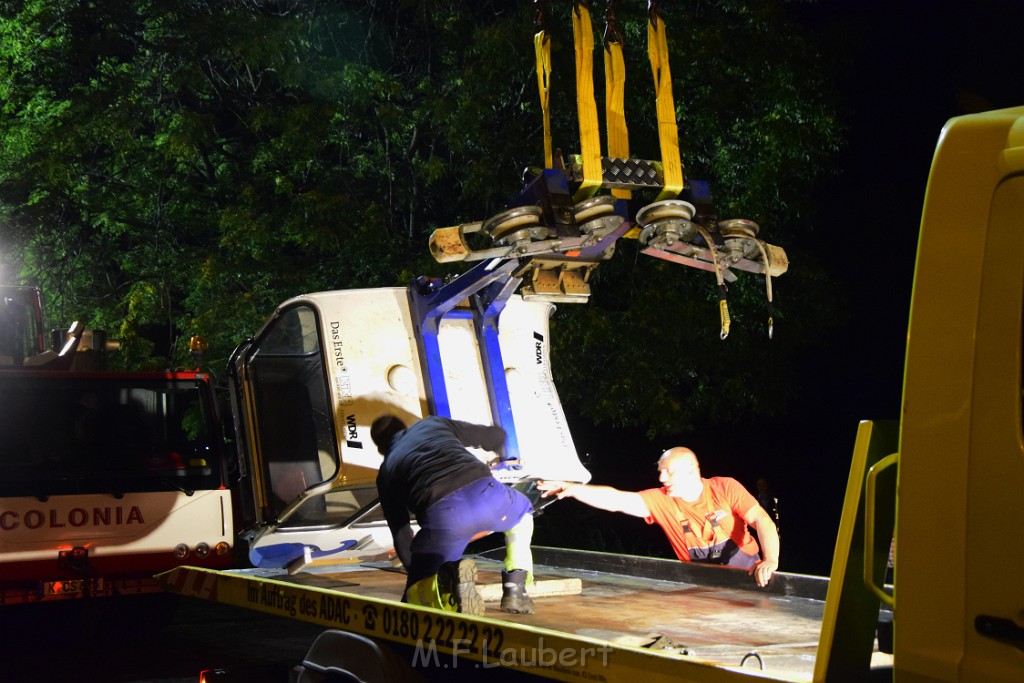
(869, 526)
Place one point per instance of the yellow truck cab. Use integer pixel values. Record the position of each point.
(959, 597)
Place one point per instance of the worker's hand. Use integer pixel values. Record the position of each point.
(552, 488)
(511, 464)
(403, 545)
(763, 570)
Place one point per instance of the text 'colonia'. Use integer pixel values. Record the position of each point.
(75, 517)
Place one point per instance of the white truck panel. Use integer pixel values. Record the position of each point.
(374, 368)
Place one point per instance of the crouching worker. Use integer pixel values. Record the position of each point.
(427, 472)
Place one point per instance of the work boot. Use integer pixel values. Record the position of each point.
(456, 582)
(513, 593)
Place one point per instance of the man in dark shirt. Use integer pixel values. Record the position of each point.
(428, 474)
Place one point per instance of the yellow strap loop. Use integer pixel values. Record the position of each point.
(723, 315)
(668, 133)
(615, 106)
(723, 304)
(767, 284)
(586, 105)
(542, 48)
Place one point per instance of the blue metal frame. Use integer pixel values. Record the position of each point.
(487, 286)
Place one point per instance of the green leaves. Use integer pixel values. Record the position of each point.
(174, 168)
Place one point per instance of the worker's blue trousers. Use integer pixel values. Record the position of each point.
(447, 526)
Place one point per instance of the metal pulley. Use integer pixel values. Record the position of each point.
(667, 222)
(740, 239)
(517, 225)
(596, 216)
(740, 242)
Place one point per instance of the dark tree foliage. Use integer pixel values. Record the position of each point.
(180, 167)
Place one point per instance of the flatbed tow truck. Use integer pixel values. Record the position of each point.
(945, 481)
(600, 617)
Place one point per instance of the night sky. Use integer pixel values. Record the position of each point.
(907, 66)
(912, 66)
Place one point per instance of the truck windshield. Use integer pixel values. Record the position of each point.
(21, 327)
(63, 433)
(295, 426)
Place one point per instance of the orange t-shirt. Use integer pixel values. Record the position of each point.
(710, 529)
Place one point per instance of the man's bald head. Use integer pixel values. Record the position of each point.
(679, 473)
(681, 455)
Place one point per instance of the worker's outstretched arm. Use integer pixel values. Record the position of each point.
(603, 497)
(768, 538)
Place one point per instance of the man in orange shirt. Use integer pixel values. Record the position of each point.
(705, 520)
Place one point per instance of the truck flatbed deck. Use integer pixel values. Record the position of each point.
(623, 616)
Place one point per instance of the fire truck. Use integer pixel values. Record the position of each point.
(106, 478)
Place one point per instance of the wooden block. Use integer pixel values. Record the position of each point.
(491, 592)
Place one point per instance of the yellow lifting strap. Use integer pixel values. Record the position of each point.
(542, 48)
(668, 133)
(615, 105)
(586, 105)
